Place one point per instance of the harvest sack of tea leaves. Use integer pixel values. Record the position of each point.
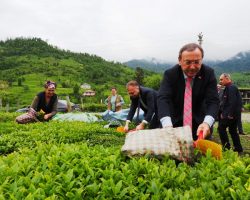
(175, 142)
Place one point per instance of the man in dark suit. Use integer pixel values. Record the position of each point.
(230, 109)
(204, 96)
(146, 99)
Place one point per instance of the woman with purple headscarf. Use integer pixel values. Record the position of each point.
(43, 107)
(46, 101)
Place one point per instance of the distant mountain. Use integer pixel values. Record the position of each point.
(238, 63)
(149, 64)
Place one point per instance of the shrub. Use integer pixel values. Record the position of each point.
(247, 106)
(94, 107)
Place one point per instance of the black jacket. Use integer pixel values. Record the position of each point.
(205, 100)
(231, 102)
(149, 98)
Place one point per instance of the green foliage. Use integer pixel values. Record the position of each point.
(19, 81)
(22, 57)
(76, 89)
(139, 75)
(8, 117)
(3, 85)
(94, 107)
(247, 107)
(15, 136)
(25, 88)
(246, 127)
(241, 79)
(34, 54)
(66, 84)
(153, 81)
(75, 160)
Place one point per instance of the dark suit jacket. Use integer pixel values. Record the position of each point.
(231, 102)
(149, 98)
(205, 100)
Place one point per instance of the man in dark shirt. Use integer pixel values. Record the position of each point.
(145, 99)
(230, 108)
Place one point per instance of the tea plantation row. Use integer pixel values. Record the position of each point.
(75, 160)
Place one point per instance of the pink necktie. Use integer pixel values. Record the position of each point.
(187, 112)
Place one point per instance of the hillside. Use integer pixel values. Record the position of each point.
(238, 63)
(26, 63)
(25, 56)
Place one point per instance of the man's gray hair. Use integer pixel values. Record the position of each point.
(226, 75)
(132, 83)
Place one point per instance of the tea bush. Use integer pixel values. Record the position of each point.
(76, 160)
(77, 171)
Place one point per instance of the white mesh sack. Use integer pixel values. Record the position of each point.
(176, 142)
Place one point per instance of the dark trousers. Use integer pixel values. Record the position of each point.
(239, 124)
(231, 124)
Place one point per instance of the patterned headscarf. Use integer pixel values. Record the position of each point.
(50, 84)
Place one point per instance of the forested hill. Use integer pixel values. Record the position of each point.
(20, 56)
(238, 63)
(26, 63)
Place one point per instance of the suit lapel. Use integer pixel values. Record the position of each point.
(179, 86)
(182, 83)
(197, 84)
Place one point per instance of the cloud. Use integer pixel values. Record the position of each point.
(121, 30)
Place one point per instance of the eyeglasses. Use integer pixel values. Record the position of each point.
(195, 62)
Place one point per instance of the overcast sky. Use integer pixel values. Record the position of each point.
(121, 30)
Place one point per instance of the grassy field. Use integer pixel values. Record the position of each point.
(31, 86)
(22, 96)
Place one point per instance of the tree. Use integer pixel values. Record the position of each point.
(66, 84)
(26, 88)
(153, 81)
(10, 80)
(139, 75)
(19, 81)
(76, 89)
